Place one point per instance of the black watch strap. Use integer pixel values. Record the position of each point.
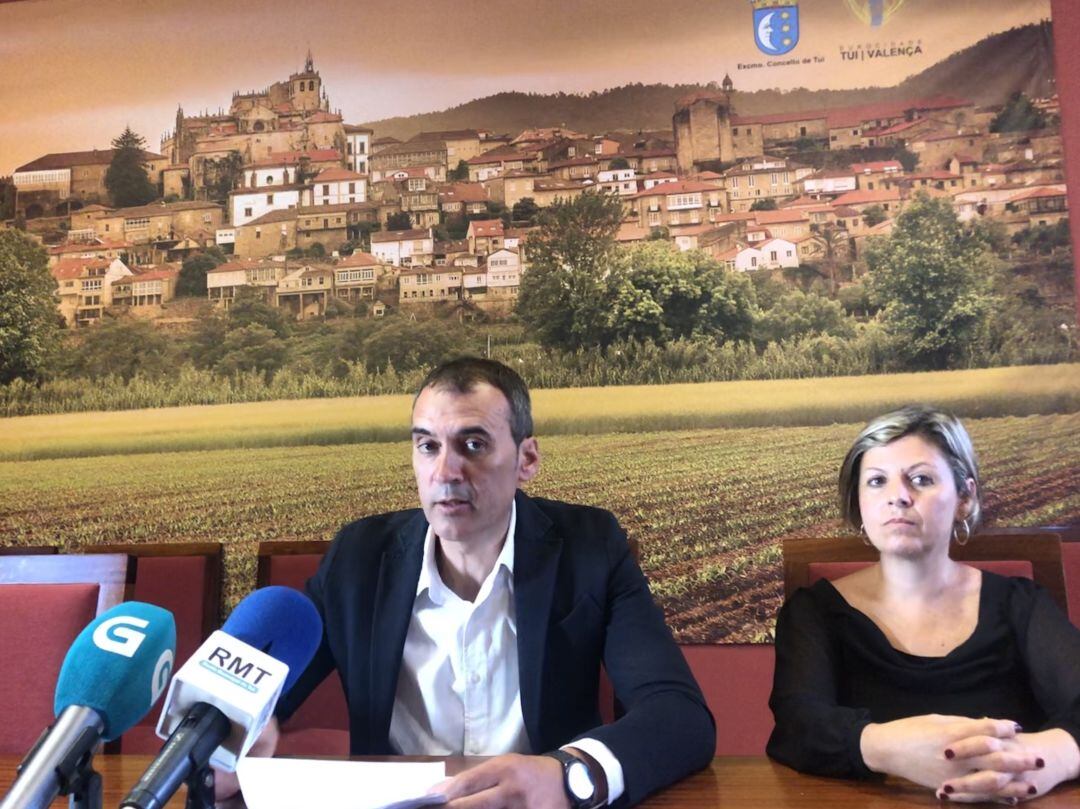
(567, 761)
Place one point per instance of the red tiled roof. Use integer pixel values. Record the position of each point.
(1038, 193)
(500, 154)
(463, 192)
(401, 235)
(293, 157)
(877, 166)
(486, 227)
(67, 160)
(358, 259)
(863, 196)
(780, 217)
(233, 266)
(337, 175)
(151, 275)
(680, 187)
(96, 247)
(68, 268)
(846, 212)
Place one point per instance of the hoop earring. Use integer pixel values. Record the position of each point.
(865, 538)
(956, 535)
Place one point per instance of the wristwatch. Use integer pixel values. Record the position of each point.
(578, 780)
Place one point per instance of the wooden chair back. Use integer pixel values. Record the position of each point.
(1032, 553)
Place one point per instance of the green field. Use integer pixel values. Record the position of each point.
(1015, 391)
(708, 505)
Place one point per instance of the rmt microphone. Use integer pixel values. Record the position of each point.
(221, 699)
(112, 675)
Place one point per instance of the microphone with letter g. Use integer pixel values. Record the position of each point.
(221, 699)
(111, 677)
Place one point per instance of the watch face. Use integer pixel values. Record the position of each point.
(579, 781)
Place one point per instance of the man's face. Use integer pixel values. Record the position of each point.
(466, 463)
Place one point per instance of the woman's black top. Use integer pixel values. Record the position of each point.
(836, 673)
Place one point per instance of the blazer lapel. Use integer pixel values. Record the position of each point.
(536, 558)
(395, 592)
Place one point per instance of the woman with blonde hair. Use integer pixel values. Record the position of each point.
(918, 666)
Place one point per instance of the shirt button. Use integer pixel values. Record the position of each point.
(475, 679)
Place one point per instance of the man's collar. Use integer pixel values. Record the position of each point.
(431, 581)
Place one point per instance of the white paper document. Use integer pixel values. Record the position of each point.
(298, 783)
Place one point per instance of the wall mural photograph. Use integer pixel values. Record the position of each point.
(714, 236)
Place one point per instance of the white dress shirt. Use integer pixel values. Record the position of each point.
(458, 691)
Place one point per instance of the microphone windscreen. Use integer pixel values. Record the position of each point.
(281, 622)
(119, 665)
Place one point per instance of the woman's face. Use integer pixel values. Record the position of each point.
(908, 497)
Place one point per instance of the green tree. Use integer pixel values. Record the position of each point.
(930, 278)
(874, 215)
(525, 210)
(399, 220)
(28, 316)
(908, 159)
(7, 198)
(766, 204)
(408, 344)
(1018, 115)
(207, 338)
(561, 301)
(798, 314)
(191, 282)
(619, 163)
(122, 346)
(126, 179)
(659, 293)
(249, 307)
(252, 348)
(459, 173)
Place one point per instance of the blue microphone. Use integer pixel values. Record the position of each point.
(112, 675)
(221, 699)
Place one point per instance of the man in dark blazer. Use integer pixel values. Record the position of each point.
(556, 582)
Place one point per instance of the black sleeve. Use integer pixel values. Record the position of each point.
(813, 733)
(667, 731)
(1051, 649)
(323, 661)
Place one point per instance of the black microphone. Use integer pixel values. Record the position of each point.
(221, 699)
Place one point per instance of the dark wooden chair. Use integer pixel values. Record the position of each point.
(1030, 553)
(321, 725)
(46, 600)
(185, 579)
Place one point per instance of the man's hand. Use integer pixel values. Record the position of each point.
(508, 782)
(915, 748)
(226, 784)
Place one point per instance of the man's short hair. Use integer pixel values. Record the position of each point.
(464, 373)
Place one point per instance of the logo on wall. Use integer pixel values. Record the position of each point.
(874, 12)
(776, 26)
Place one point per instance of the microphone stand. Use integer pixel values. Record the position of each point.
(200, 788)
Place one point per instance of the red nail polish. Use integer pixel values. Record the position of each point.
(947, 789)
(942, 796)
(1032, 790)
(1039, 763)
(950, 754)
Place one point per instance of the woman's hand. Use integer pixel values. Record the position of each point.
(1049, 758)
(914, 748)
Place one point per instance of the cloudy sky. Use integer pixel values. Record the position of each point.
(73, 73)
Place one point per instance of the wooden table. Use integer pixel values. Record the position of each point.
(729, 783)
